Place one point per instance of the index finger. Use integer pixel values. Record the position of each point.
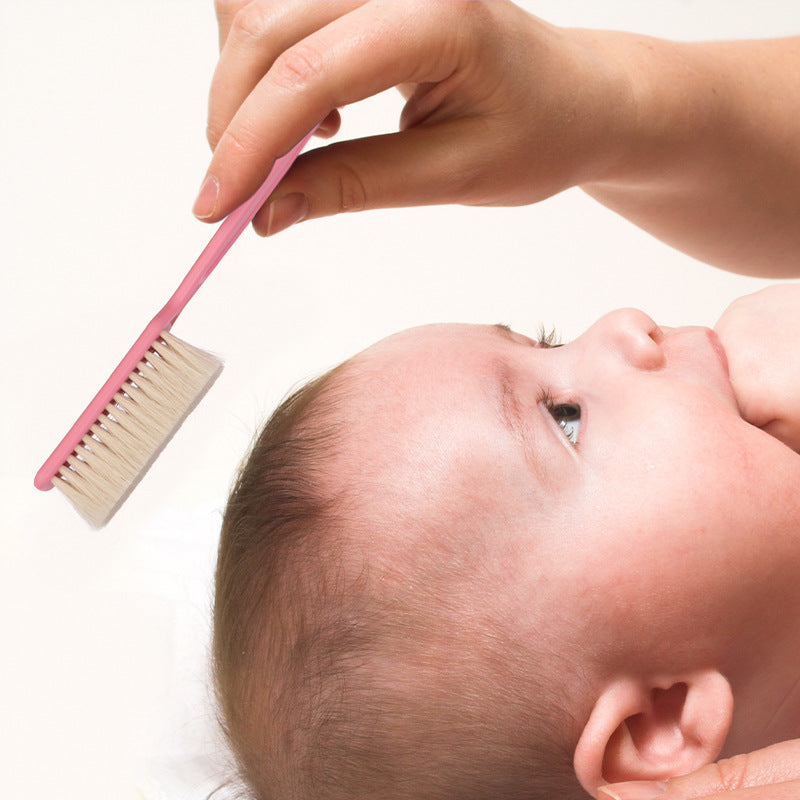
(772, 773)
(778, 763)
(255, 36)
(360, 54)
(789, 790)
(226, 11)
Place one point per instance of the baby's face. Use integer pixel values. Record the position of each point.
(612, 473)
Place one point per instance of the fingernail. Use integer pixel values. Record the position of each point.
(206, 200)
(632, 790)
(285, 212)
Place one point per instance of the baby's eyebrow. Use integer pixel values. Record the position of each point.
(511, 413)
(509, 403)
(512, 416)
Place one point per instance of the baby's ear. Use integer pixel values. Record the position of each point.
(653, 730)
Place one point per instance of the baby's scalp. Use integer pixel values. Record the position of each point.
(361, 643)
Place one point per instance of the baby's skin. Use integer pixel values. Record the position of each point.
(666, 469)
(625, 508)
(760, 334)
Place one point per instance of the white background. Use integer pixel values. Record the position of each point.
(103, 667)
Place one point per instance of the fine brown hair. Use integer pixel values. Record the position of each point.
(335, 682)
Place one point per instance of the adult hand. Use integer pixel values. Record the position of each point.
(769, 774)
(761, 336)
(501, 108)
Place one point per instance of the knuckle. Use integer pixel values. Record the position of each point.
(352, 191)
(441, 11)
(297, 67)
(239, 143)
(250, 22)
(732, 772)
(470, 14)
(213, 134)
(468, 7)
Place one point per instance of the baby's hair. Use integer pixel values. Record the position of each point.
(333, 677)
(258, 637)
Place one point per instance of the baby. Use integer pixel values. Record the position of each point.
(467, 564)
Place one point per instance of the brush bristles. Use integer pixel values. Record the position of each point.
(150, 406)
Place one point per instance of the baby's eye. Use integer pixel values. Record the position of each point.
(568, 417)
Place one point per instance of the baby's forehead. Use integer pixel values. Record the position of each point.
(426, 464)
(420, 423)
(421, 335)
(405, 374)
(428, 344)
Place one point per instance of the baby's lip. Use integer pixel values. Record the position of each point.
(698, 351)
(703, 339)
(716, 345)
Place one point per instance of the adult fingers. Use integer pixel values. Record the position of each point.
(789, 790)
(429, 165)
(356, 56)
(255, 33)
(779, 763)
(769, 774)
(330, 125)
(226, 10)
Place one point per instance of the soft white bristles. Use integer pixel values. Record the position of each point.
(150, 406)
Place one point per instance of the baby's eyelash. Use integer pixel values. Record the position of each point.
(547, 338)
(567, 415)
(546, 399)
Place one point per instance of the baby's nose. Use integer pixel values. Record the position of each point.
(632, 335)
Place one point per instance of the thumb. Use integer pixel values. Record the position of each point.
(429, 165)
(769, 774)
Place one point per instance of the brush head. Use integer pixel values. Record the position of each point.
(149, 407)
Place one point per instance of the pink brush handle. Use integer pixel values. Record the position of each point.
(225, 235)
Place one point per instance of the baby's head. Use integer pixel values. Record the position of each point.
(463, 559)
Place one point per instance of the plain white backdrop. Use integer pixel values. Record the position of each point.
(104, 633)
